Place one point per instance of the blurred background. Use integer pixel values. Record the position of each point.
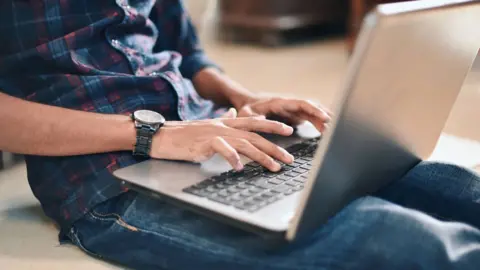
(299, 47)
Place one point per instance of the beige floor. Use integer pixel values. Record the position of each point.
(28, 240)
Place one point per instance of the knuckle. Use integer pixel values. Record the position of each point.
(255, 137)
(217, 140)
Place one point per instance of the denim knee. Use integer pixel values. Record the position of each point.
(403, 238)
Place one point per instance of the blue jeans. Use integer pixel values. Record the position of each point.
(428, 220)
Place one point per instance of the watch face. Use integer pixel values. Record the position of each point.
(148, 117)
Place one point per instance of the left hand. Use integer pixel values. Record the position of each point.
(288, 110)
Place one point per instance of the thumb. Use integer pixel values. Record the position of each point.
(231, 113)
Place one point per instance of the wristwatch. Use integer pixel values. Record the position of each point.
(147, 123)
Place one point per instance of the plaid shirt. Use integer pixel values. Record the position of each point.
(102, 56)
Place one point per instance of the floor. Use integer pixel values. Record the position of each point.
(29, 241)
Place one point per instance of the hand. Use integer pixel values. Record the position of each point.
(291, 111)
(199, 140)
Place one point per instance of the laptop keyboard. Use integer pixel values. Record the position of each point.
(255, 187)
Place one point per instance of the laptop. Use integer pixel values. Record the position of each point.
(404, 75)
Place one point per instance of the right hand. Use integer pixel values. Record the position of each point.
(199, 140)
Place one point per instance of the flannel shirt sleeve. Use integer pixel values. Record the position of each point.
(173, 20)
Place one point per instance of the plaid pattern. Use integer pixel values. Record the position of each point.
(110, 57)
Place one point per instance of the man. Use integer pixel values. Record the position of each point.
(73, 71)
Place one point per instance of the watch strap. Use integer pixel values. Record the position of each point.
(143, 143)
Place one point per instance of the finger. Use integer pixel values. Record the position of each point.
(325, 109)
(257, 124)
(290, 118)
(220, 146)
(266, 146)
(319, 124)
(231, 113)
(249, 150)
(296, 106)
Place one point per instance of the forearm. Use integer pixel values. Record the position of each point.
(218, 87)
(37, 129)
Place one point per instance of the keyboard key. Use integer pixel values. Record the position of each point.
(235, 198)
(296, 164)
(284, 177)
(292, 174)
(300, 170)
(221, 185)
(267, 195)
(234, 189)
(306, 167)
(288, 167)
(221, 200)
(281, 189)
(254, 190)
(230, 182)
(223, 193)
(255, 173)
(203, 184)
(269, 175)
(273, 199)
(246, 193)
(295, 148)
(300, 179)
(240, 205)
(275, 181)
(288, 192)
(303, 160)
(195, 191)
(211, 189)
(258, 198)
(291, 183)
(219, 178)
(254, 164)
(242, 186)
(263, 184)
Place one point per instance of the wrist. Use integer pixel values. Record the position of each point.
(162, 141)
(216, 86)
(124, 134)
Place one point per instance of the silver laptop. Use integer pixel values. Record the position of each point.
(409, 64)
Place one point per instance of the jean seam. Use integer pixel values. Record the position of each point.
(79, 243)
(113, 217)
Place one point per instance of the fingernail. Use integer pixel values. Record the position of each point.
(287, 129)
(276, 167)
(326, 116)
(287, 155)
(239, 166)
